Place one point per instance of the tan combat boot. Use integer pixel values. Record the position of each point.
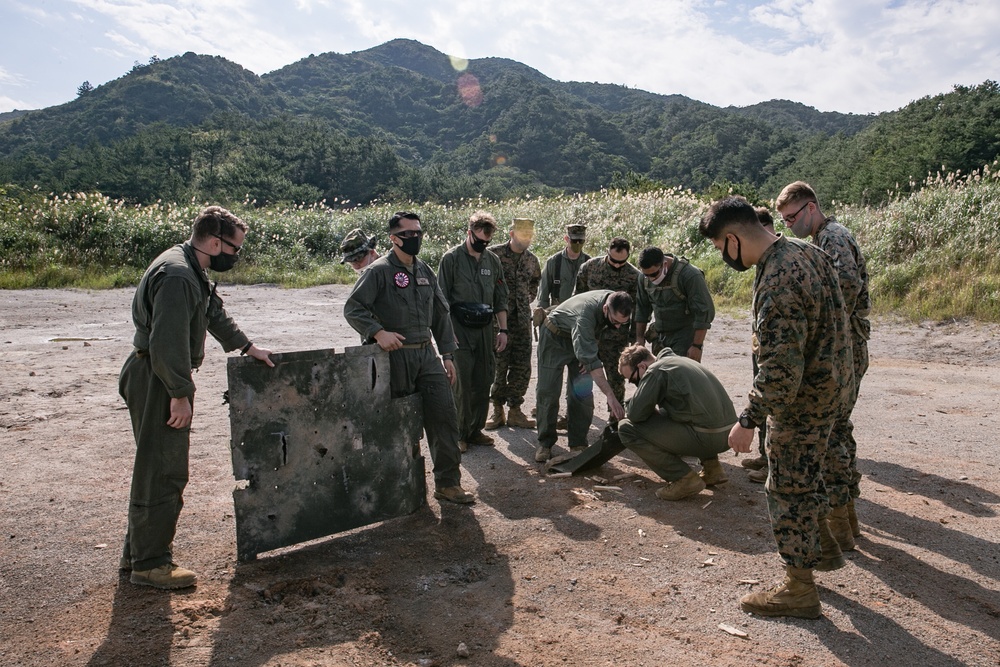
(755, 463)
(517, 419)
(496, 419)
(840, 527)
(168, 577)
(688, 485)
(852, 518)
(833, 557)
(712, 473)
(758, 476)
(454, 494)
(796, 597)
(543, 454)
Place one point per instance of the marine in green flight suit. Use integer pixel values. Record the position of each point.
(397, 304)
(568, 340)
(173, 308)
(679, 408)
(472, 281)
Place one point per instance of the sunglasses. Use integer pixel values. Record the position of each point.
(409, 234)
(236, 248)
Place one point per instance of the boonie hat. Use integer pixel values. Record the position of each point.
(356, 245)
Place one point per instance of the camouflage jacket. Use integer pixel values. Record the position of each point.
(598, 274)
(838, 242)
(805, 366)
(523, 273)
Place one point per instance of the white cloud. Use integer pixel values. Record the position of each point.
(845, 55)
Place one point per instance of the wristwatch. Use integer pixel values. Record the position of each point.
(746, 422)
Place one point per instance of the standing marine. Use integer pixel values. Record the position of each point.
(398, 305)
(674, 292)
(472, 281)
(522, 273)
(804, 378)
(173, 308)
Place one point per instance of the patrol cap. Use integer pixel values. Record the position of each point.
(523, 226)
(576, 232)
(356, 245)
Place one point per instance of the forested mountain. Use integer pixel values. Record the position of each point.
(403, 120)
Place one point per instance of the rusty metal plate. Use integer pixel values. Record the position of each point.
(322, 445)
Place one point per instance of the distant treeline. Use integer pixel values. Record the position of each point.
(398, 123)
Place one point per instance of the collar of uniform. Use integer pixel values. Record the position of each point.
(192, 257)
(395, 261)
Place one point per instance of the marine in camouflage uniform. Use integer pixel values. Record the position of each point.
(838, 242)
(679, 302)
(804, 379)
(568, 341)
(522, 273)
(611, 271)
(472, 281)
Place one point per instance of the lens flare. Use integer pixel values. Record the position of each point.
(469, 90)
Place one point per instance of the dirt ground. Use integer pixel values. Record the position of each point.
(541, 571)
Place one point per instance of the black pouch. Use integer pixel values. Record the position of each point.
(473, 315)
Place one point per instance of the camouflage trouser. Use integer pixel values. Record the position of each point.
(661, 442)
(513, 364)
(609, 348)
(762, 428)
(796, 492)
(842, 435)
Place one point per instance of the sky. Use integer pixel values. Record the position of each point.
(850, 56)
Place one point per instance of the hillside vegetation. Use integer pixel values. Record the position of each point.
(404, 121)
(932, 253)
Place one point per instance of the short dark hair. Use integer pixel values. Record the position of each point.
(619, 243)
(216, 221)
(395, 222)
(650, 257)
(765, 217)
(733, 210)
(621, 303)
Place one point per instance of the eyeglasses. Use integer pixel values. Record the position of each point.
(409, 234)
(615, 322)
(236, 248)
(634, 377)
(790, 219)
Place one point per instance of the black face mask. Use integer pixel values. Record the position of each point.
(411, 246)
(735, 264)
(478, 245)
(222, 262)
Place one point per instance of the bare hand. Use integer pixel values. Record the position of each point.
(261, 354)
(501, 342)
(617, 411)
(740, 439)
(449, 370)
(694, 353)
(389, 340)
(181, 412)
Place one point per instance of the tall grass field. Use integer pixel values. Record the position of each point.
(933, 254)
